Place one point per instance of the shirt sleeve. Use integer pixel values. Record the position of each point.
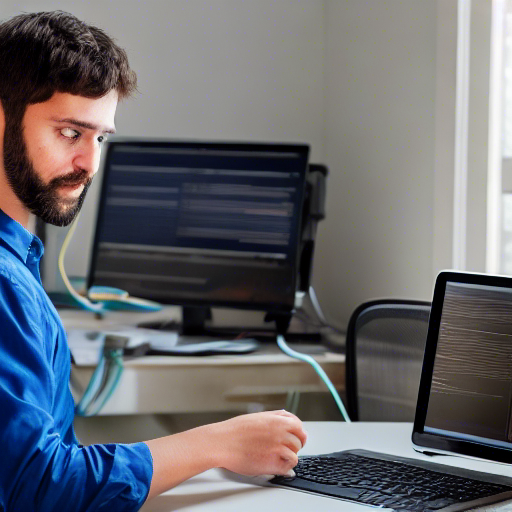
(40, 470)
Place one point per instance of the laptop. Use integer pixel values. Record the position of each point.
(464, 408)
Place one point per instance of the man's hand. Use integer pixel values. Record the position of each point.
(257, 444)
(252, 444)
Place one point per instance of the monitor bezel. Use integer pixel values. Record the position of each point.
(437, 442)
(302, 148)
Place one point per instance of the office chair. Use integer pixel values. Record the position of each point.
(385, 344)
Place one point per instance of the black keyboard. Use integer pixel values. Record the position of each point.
(394, 482)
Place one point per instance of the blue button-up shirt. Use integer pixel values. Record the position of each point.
(43, 467)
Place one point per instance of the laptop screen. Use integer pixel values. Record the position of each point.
(465, 397)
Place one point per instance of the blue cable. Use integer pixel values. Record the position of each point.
(281, 343)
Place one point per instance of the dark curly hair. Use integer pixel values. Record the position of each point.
(46, 52)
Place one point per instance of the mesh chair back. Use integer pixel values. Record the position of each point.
(385, 345)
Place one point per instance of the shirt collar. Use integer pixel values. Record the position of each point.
(21, 241)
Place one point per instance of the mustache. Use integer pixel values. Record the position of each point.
(80, 177)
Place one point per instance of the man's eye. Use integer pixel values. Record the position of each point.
(102, 139)
(69, 133)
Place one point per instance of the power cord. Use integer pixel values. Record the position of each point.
(84, 302)
(316, 306)
(313, 299)
(281, 343)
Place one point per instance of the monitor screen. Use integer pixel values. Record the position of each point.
(201, 223)
(470, 394)
(465, 396)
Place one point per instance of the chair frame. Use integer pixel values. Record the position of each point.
(350, 347)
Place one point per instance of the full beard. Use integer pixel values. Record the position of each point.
(39, 198)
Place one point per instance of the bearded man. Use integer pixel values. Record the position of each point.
(60, 82)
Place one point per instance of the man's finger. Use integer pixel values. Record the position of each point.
(293, 442)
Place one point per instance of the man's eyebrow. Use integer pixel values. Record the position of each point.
(85, 124)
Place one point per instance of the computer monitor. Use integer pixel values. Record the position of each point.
(201, 224)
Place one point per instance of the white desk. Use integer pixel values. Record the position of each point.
(216, 490)
(164, 384)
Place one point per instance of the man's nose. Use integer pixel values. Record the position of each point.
(88, 156)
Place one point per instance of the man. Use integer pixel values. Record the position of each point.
(60, 81)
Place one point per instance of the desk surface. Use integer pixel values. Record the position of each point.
(218, 490)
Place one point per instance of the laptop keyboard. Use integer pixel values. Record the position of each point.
(390, 484)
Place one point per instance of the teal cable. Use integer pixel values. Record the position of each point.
(102, 385)
(281, 343)
(114, 375)
(91, 389)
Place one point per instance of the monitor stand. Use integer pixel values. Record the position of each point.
(282, 321)
(193, 320)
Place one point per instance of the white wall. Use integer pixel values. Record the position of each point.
(356, 80)
(445, 127)
(379, 145)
